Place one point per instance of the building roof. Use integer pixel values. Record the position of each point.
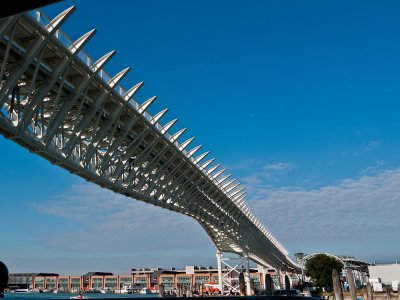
(97, 274)
(46, 274)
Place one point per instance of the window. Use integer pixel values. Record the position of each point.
(111, 283)
(63, 284)
(167, 282)
(124, 281)
(184, 279)
(256, 279)
(140, 279)
(201, 279)
(50, 283)
(97, 283)
(167, 279)
(75, 284)
(39, 282)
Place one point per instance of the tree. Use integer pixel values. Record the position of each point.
(320, 267)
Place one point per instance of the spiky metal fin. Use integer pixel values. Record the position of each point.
(194, 150)
(232, 187)
(59, 19)
(132, 91)
(186, 143)
(146, 104)
(212, 169)
(201, 156)
(237, 191)
(158, 116)
(219, 173)
(118, 77)
(206, 163)
(79, 43)
(168, 126)
(228, 183)
(225, 178)
(103, 60)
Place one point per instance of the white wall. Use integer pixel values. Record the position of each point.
(386, 273)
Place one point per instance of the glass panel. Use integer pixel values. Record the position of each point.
(184, 279)
(141, 279)
(201, 279)
(167, 279)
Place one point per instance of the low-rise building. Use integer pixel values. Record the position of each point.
(171, 279)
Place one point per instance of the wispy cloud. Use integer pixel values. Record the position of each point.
(243, 165)
(279, 166)
(346, 216)
(112, 224)
(372, 146)
(252, 181)
(375, 169)
(257, 173)
(355, 216)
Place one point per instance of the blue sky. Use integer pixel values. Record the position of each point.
(298, 99)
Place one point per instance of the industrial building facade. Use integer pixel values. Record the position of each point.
(149, 278)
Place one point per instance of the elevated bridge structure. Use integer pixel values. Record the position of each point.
(59, 103)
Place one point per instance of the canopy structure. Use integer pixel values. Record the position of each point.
(59, 103)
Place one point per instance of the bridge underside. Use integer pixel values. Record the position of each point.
(60, 104)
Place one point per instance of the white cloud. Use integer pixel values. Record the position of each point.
(114, 226)
(252, 180)
(258, 174)
(358, 215)
(279, 166)
(372, 146)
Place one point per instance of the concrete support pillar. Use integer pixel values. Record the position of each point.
(161, 290)
(269, 286)
(247, 275)
(279, 273)
(365, 293)
(303, 276)
(242, 284)
(180, 290)
(369, 291)
(337, 287)
(219, 266)
(263, 276)
(287, 285)
(352, 284)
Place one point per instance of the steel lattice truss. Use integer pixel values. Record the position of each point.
(60, 104)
